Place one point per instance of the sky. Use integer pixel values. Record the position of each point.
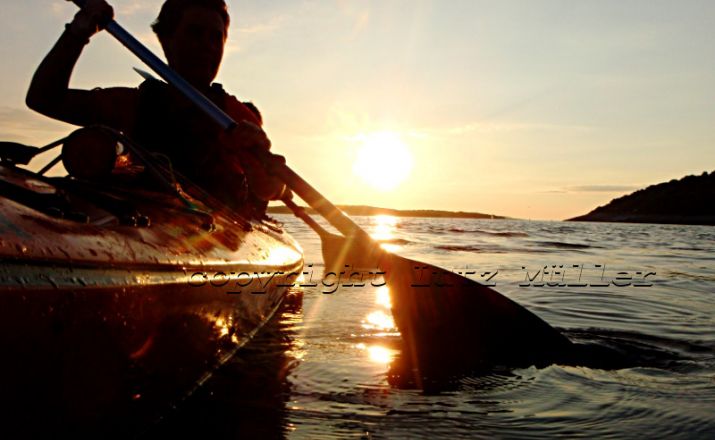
(539, 109)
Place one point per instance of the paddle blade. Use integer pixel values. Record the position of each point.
(450, 323)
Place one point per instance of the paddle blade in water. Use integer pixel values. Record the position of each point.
(450, 323)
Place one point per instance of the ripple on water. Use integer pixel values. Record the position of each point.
(330, 387)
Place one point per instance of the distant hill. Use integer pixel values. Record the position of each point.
(371, 210)
(690, 201)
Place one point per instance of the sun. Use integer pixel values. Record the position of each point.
(383, 160)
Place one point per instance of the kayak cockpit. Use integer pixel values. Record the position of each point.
(103, 187)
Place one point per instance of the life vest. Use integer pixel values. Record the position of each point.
(190, 140)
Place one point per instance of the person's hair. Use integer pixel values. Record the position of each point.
(172, 11)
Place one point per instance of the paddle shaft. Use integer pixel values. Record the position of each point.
(306, 192)
(301, 214)
(317, 201)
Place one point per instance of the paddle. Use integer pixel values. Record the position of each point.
(446, 320)
(339, 253)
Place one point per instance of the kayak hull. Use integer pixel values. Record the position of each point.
(105, 323)
(85, 355)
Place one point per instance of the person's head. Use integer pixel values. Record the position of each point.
(192, 34)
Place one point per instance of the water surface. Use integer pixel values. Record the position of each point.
(322, 370)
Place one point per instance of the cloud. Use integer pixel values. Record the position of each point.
(150, 40)
(24, 126)
(358, 13)
(361, 21)
(591, 189)
(243, 36)
(133, 7)
(262, 28)
(600, 188)
(491, 127)
(122, 9)
(62, 9)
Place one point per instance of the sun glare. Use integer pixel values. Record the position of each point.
(383, 160)
(377, 353)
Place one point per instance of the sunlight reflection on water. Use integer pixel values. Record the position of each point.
(338, 379)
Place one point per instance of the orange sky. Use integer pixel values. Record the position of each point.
(540, 110)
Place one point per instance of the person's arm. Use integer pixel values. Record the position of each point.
(49, 91)
(246, 137)
(252, 145)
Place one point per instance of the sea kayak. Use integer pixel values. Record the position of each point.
(119, 301)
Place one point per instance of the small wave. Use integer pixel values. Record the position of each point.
(563, 245)
(508, 234)
(493, 233)
(467, 248)
(399, 241)
(447, 247)
(559, 229)
(435, 230)
(636, 349)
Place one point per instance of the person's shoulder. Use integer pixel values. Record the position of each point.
(237, 109)
(128, 92)
(114, 106)
(114, 97)
(151, 83)
(252, 107)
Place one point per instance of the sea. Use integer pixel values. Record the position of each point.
(323, 368)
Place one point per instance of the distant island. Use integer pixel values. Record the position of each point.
(688, 201)
(371, 210)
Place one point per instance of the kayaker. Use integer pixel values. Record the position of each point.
(192, 34)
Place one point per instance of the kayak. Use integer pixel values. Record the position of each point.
(121, 300)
